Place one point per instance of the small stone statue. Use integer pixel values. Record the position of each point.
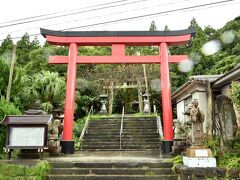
(180, 131)
(197, 119)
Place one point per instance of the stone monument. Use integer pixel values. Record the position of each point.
(54, 130)
(197, 155)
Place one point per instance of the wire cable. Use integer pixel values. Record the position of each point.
(49, 14)
(80, 12)
(76, 20)
(191, 8)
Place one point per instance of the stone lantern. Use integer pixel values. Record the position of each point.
(146, 103)
(103, 100)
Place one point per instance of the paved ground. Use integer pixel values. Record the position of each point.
(98, 156)
(113, 156)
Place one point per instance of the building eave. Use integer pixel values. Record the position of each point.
(227, 78)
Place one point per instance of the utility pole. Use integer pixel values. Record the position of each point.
(11, 73)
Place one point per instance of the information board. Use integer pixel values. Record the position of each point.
(26, 136)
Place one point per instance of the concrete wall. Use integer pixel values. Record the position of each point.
(180, 110)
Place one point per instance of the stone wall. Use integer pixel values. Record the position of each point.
(186, 173)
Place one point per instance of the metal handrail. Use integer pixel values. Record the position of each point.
(121, 129)
(86, 124)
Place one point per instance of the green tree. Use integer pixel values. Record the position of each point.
(47, 87)
(153, 26)
(24, 47)
(6, 48)
(4, 67)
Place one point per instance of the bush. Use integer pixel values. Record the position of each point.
(235, 93)
(5, 109)
(229, 160)
(13, 171)
(77, 130)
(213, 143)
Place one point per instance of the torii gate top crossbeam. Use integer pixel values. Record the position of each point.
(106, 38)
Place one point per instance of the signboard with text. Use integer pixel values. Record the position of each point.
(26, 136)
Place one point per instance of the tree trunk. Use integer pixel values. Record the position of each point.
(110, 108)
(140, 97)
(11, 74)
(210, 117)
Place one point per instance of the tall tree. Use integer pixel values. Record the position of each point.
(24, 47)
(153, 26)
(6, 48)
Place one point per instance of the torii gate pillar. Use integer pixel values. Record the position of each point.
(118, 40)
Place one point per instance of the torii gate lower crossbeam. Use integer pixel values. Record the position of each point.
(118, 40)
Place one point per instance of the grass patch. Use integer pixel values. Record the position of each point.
(13, 171)
(177, 160)
(229, 160)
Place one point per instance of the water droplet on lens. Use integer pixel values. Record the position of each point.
(211, 47)
(186, 66)
(227, 37)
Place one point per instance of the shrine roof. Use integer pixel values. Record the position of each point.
(26, 119)
(193, 80)
(209, 78)
(232, 75)
(45, 32)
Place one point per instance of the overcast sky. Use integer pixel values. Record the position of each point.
(111, 15)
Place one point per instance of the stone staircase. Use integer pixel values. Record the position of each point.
(138, 134)
(112, 170)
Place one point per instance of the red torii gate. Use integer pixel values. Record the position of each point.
(118, 40)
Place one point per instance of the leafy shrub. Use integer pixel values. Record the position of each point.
(229, 160)
(212, 143)
(5, 109)
(177, 160)
(77, 130)
(13, 171)
(235, 93)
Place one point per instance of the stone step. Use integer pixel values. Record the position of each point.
(123, 143)
(101, 140)
(112, 177)
(113, 171)
(124, 147)
(105, 121)
(140, 130)
(137, 133)
(100, 147)
(123, 139)
(117, 136)
(101, 143)
(158, 164)
(125, 126)
(102, 133)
